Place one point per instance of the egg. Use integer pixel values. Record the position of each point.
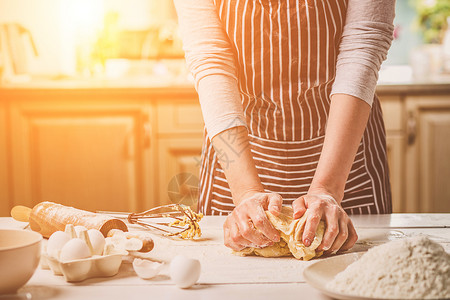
(133, 244)
(97, 241)
(184, 271)
(74, 249)
(119, 236)
(55, 243)
(118, 240)
(146, 269)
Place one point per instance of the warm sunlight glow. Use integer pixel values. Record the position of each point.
(85, 15)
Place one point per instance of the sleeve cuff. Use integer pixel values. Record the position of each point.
(356, 80)
(225, 123)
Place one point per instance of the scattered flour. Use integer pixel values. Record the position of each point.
(410, 268)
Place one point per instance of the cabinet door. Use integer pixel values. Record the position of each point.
(5, 200)
(393, 120)
(179, 117)
(89, 154)
(179, 170)
(427, 156)
(180, 137)
(395, 155)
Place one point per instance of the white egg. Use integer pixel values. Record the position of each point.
(74, 249)
(97, 241)
(118, 240)
(146, 269)
(55, 243)
(133, 244)
(119, 237)
(184, 271)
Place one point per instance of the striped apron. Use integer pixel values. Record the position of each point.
(285, 52)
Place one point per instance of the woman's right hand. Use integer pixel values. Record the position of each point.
(248, 226)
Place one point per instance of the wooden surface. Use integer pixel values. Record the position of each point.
(418, 135)
(427, 155)
(5, 199)
(151, 84)
(96, 149)
(117, 145)
(431, 87)
(180, 140)
(395, 140)
(80, 152)
(179, 178)
(225, 276)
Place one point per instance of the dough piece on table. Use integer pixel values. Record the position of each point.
(291, 231)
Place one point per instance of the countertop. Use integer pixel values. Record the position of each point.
(147, 88)
(414, 87)
(156, 85)
(224, 275)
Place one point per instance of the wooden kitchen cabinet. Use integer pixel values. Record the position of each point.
(110, 149)
(83, 150)
(392, 107)
(179, 173)
(395, 155)
(130, 149)
(417, 120)
(5, 199)
(179, 118)
(427, 168)
(180, 139)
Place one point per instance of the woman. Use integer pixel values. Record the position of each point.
(287, 94)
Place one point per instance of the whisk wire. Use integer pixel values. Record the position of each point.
(184, 220)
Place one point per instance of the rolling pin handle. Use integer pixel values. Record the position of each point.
(21, 213)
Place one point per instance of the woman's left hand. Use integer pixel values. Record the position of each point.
(340, 235)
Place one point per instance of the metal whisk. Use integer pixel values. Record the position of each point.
(184, 220)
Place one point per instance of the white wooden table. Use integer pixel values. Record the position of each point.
(224, 275)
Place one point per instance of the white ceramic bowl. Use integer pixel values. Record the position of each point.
(20, 251)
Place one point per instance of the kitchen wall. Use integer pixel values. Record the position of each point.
(44, 21)
(58, 25)
(407, 36)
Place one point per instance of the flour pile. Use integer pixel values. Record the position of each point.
(411, 268)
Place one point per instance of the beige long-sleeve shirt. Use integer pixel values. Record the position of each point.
(365, 40)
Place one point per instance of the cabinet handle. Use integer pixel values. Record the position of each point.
(411, 128)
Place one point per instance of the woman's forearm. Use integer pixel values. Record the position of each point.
(233, 151)
(346, 124)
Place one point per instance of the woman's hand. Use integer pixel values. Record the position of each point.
(248, 225)
(340, 235)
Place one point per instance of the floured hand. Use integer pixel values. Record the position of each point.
(291, 231)
(340, 234)
(248, 225)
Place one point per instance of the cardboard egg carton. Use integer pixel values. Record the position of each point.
(82, 269)
(105, 265)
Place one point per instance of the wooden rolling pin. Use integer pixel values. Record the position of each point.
(48, 217)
